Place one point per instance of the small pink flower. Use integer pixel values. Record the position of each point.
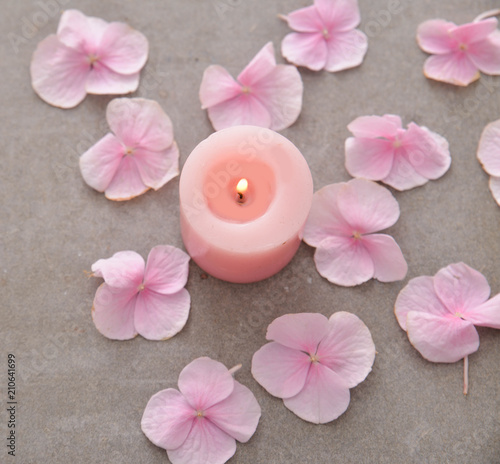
(460, 52)
(137, 298)
(402, 158)
(341, 226)
(326, 37)
(140, 155)
(201, 423)
(488, 154)
(312, 362)
(265, 94)
(88, 55)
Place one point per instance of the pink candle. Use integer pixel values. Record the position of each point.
(245, 194)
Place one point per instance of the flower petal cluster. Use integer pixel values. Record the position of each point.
(200, 423)
(402, 158)
(325, 36)
(140, 153)
(341, 226)
(460, 52)
(87, 55)
(312, 362)
(149, 299)
(439, 313)
(265, 94)
(488, 154)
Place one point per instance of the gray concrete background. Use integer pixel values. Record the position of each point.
(81, 396)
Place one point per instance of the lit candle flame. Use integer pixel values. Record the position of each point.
(241, 188)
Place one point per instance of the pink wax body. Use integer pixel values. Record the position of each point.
(248, 237)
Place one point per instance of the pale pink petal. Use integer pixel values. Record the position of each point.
(376, 126)
(344, 261)
(441, 339)
(59, 73)
(305, 20)
(488, 152)
(305, 49)
(419, 296)
(426, 151)
(167, 419)
(100, 162)
(403, 175)
(369, 158)
(206, 443)
(140, 123)
(282, 371)
(461, 288)
(346, 50)
(454, 68)
(124, 269)
(486, 314)
(81, 32)
(388, 260)
(367, 206)
(166, 270)
(494, 185)
(339, 15)
(113, 312)
(217, 86)
(260, 66)
(476, 31)
(123, 49)
(205, 382)
(104, 81)
(160, 317)
(325, 219)
(324, 397)
(433, 36)
(127, 182)
(245, 109)
(486, 54)
(238, 415)
(302, 331)
(156, 168)
(348, 348)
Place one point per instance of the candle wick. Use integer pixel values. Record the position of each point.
(240, 198)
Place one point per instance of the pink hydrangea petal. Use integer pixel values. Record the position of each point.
(100, 162)
(388, 260)
(433, 36)
(453, 68)
(440, 339)
(123, 49)
(167, 269)
(260, 66)
(302, 331)
(325, 219)
(81, 32)
(206, 443)
(205, 382)
(486, 54)
(281, 370)
(156, 168)
(419, 296)
(348, 348)
(127, 182)
(494, 185)
(477, 31)
(104, 81)
(486, 314)
(367, 206)
(305, 49)
(217, 86)
(238, 415)
(426, 151)
(245, 109)
(59, 73)
(305, 20)
(460, 287)
(113, 312)
(344, 261)
(339, 15)
(167, 419)
(376, 126)
(140, 123)
(346, 50)
(369, 158)
(325, 396)
(403, 175)
(488, 152)
(124, 270)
